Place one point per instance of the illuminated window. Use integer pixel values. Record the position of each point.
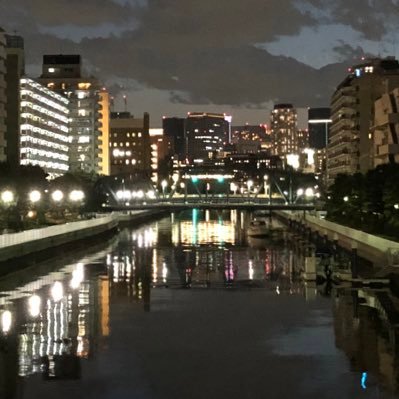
(121, 144)
(82, 112)
(127, 144)
(138, 134)
(51, 70)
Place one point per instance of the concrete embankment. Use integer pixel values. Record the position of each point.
(380, 251)
(27, 244)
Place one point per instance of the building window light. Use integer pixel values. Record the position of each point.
(51, 70)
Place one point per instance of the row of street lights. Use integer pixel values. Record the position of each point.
(8, 197)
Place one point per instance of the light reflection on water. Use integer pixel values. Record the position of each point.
(63, 317)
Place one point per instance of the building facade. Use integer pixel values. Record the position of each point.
(173, 129)
(284, 130)
(351, 144)
(129, 143)
(44, 138)
(386, 129)
(63, 74)
(3, 96)
(15, 67)
(205, 135)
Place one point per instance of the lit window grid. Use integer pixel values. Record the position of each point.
(26, 128)
(37, 119)
(40, 88)
(41, 98)
(31, 107)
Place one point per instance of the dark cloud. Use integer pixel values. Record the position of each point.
(201, 52)
(346, 52)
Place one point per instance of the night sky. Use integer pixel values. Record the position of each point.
(233, 56)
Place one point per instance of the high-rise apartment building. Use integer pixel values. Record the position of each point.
(129, 144)
(386, 129)
(63, 74)
(44, 135)
(351, 142)
(284, 130)
(3, 96)
(205, 135)
(15, 69)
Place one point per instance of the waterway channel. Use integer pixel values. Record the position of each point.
(189, 307)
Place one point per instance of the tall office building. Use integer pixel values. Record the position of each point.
(284, 130)
(44, 136)
(351, 143)
(15, 67)
(205, 135)
(319, 125)
(173, 130)
(3, 96)
(63, 74)
(129, 144)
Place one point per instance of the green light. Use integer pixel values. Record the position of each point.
(221, 180)
(194, 179)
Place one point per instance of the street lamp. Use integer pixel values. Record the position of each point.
(250, 183)
(76, 195)
(35, 196)
(309, 192)
(57, 195)
(7, 197)
(164, 184)
(346, 199)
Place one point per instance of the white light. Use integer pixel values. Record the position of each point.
(34, 303)
(396, 206)
(250, 183)
(293, 160)
(140, 194)
(164, 184)
(77, 276)
(119, 194)
(299, 192)
(151, 194)
(57, 195)
(35, 196)
(6, 321)
(57, 291)
(309, 192)
(7, 196)
(76, 195)
(346, 199)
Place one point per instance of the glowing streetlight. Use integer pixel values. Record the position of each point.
(57, 291)
(7, 197)
(346, 199)
(164, 184)
(250, 183)
(309, 192)
(6, 321)
(57, 195)
(76, 195)
(35, 196)
(396, 206)
(300, 192)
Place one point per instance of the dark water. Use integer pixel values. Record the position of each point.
(187, 308)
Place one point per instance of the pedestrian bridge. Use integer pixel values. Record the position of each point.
(221, 202)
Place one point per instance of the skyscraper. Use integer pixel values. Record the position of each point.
(284, 130)
(205, 135)
(15, 67)
(63, 74)
(350, 148)
(3, 96)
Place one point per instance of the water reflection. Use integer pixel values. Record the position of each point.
(365, 323)
(53, 323)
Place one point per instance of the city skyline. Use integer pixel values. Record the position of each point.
(234, 57)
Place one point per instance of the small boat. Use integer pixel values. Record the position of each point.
(262, 228)
(258, 228)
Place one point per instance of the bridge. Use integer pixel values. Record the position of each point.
(215, 202)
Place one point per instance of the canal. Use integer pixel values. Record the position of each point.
(190, 307)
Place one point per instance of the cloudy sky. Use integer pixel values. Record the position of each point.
(236, 56)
